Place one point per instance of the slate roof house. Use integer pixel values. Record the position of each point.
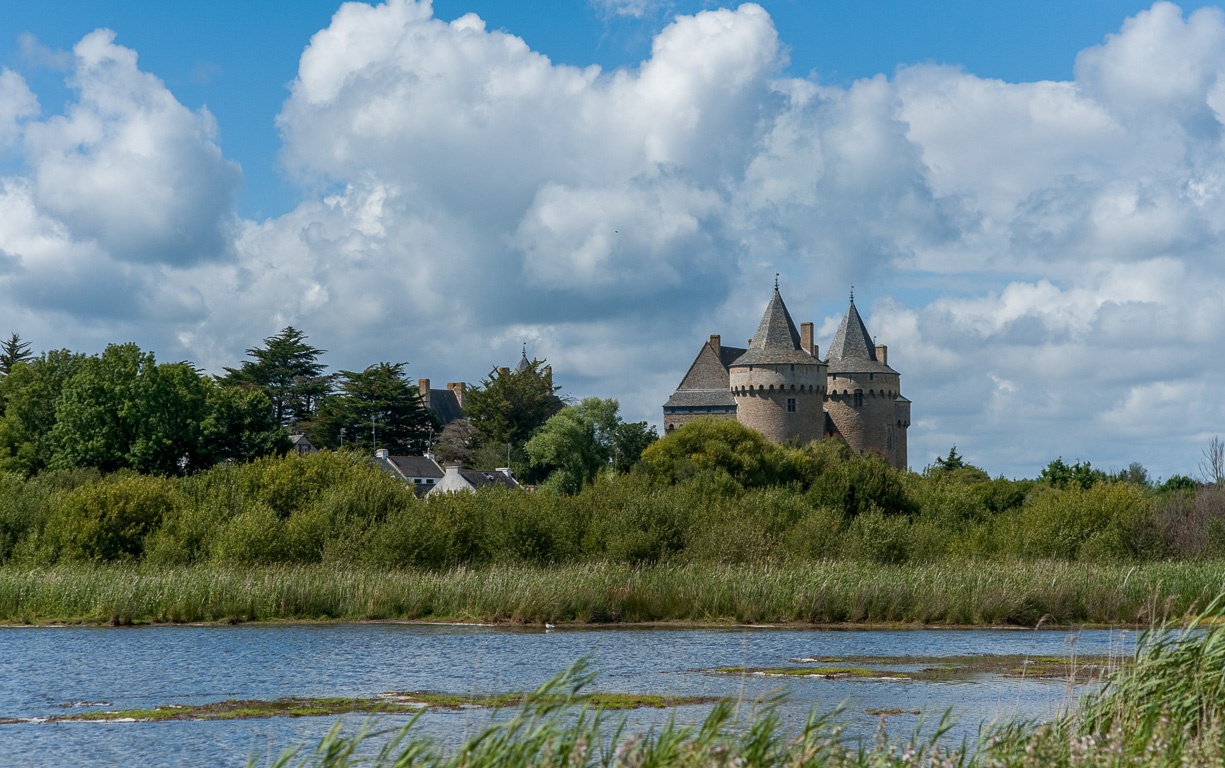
(780, 386)
(426, 476)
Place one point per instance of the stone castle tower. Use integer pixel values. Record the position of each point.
(780, 386)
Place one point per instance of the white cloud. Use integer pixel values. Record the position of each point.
(17, 102)
(130, 167)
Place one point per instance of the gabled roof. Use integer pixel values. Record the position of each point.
(853, 350)
(777, 340)
(479, 478)
(416, 466)
(445, 404)
(524, 363)
(708, 371)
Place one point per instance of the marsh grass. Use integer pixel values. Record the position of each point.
(1166, 708)
(1021, 593)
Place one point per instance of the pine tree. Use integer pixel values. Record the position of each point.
(13, 351)
(288, 370)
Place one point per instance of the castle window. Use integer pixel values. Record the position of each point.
(791, 405)
(859, 398)
(871, 376)
(793, 366)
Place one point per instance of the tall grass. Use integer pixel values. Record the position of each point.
(956, 593)
(1166, 709)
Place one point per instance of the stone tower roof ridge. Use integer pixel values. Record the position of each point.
(853, 350)
(776, 341)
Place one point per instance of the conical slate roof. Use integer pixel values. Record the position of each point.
(523, 361)
(776, 341)
(853, 350)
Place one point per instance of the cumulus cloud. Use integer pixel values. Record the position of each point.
(1043, 259)
(129, 166)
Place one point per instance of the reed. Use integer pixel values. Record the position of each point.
(1164, 709)
(824, 592)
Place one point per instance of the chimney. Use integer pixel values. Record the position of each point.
(380, 453)
(458, 388)
(806, 338)
(816, 351)
(882, 354)
(503, 371)
(423, 387)
(548, 376)
(715, 342)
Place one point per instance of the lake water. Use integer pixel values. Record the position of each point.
(52, 671)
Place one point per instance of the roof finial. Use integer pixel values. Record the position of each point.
(852, 294)
(525, 349)
(776, 281)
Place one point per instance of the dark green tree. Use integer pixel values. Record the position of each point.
(121, 410)
(952, 462)
(630, 439)
(1060, 474)
(288, 371)
(13, 351)
(378, 403)
(509, 406)
(30, 393)
(239, 427)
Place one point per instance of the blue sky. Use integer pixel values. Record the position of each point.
(1025, 195)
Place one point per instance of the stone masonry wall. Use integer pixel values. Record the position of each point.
(867, 427)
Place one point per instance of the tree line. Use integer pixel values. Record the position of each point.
(122, 409)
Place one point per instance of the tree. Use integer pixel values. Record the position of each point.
(13, 351)
(576, 443)
(30, 393)
(951, 463)
(630, 439)
(509, 406)
(288, 370)
(1062, 475)
(1212, 465)
(239, 427)
(458, 442)
(380, 402)
(121, 410)
(719, 445)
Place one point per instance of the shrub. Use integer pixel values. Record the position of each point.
(109, 520)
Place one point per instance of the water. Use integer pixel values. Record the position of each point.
(46, 672)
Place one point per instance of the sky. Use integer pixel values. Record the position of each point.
(1026, 197)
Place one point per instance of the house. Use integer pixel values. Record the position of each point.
(421, 472)
(457, 479)
(426, 476)
(301, 445)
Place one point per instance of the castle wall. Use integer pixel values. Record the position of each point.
(674, 419)
(871, 425)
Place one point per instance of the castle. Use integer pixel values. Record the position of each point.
(782, 388)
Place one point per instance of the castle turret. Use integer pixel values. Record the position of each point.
(864, 402)
(778, 386)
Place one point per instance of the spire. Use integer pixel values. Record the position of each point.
(852, 342)
(776, 340)
(524, 364)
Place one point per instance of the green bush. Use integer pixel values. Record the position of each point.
(107, 521)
